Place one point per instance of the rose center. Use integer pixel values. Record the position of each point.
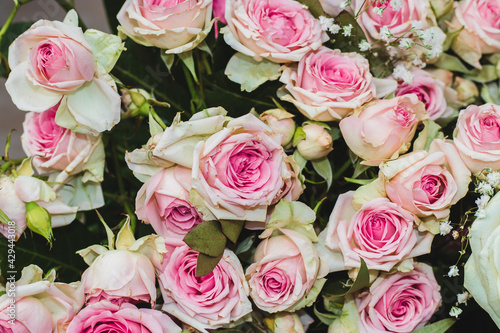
(433, 186)
(490, 126)
(50, 59)
(279, 27)
(164, 3)
(404, 117)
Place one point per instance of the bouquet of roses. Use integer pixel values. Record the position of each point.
(254, 166)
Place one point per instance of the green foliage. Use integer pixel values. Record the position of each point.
(336, 288)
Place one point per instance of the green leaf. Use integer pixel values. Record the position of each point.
(358, 181)
(430, 132)
(451, 63)
(325, 318)
(490, 93)
(298, 136)
(232, 229)
(437, 327)
(450, 37)
(206, 264)
(486, 74)
(314, 7)
(300, 160)
(324, 169)
(336, 288)
(245, 245)
(168, 60)
(207, 238)
(4, 219)
(154, 126)
(107, 48)
(188, 60)
(109, 233)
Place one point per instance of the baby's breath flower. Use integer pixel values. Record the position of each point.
(484, 188)
(345, 4)
(385, 34)
(378, 10)
(445, 228)
(396, 4)
(455, 311)
(325, 22)
(480, 213)
(493, 178)
(463, 297)
(405, 43)
(417, 25)
(364, 45)
(482, 201)
(453, 271)
(401, 73)
(347, 30)
(417, 62)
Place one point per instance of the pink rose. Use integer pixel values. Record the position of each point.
(120, 276)
(41, 305)
(477, 137)
(333, 7)
(285, 269)
(327, 85)
(163, 201)
(13, 207)
(383, 129)
(55, 148)
(53, 63)
(380, 232)
(176, 25)
(108, 317)
(206, 302)
(278, 30)
(239, 171)
(481, 29)
(397, 21)
(427, 184)
(281, 122)
(429, 90)
(399, 302)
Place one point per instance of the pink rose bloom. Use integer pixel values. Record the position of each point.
(399, 302)
(41, 305)
(13, 207)
(163, 201)
(278, 30)
(380, 232)
(239, 171)
(327, 85)
(120, 276)
(55, 148)
(429, 90)
(397, 21)
(481, 29)
(176, 25)
(207, 302)
(427, 184)
(383, 129)
(477, 137)
(108, 317)
(333, 7)
(285, 268)
(53, 63)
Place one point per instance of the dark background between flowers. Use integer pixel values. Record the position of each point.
(142, 67)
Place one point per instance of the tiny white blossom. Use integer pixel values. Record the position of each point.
(396, 4)
(482, 201)
(455, 312)
(385, 33)
(334, 29)
(325, 22)
(378, 10)
(393, 51)
(455, 234)
(434, 52)
(417, 25)
(493, 178)
(347, 30)
(345, 4)
(453, 271)
(417, 62)
(484, 188)
(463, 297)
(480, 214)
(445, 228)
(401, 73)
(405, 43)
(305, 6)
(364, 45)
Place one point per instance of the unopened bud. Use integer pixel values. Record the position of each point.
(466, 90)
(38, 220)
(317, 142)
(281, 122)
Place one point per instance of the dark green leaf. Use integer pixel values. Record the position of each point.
(232, 229)
(451, 63)
(336, 288)
(325, 318)
(206, 264)
(298, 136)
(314, 7)
(348, 43)
(486, 74)
(438, 327)
(207, 238)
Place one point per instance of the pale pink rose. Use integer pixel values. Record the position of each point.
(481, 29)
(477, 137)
(397, 21)
(333, 7)
(108, 317)
(163, 201)
(13, 207)
(280, 122)
(120, 276)
(427, 184)
(318, 142)
(53, 63)
(175, 25)
(278, 30)
(239, 171)
(41, 305)
(207, 302)
(284, 270)
(293, 186)
(380, 232)
(429, 90)
(55, 148)
(399, 302)
(383, 129)
(327, 85)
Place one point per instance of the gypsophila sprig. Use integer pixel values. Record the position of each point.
(385, 34)
(455, 312)
(401, 73)
(347, 30)
(453, 271)
(493, 178)
(445, 228)
(364, 46)
(463, 298)
(396, 4)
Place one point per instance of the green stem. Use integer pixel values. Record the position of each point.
(195, 98)
(69, 6)
(121, 189)
(163, 97)
(157, 118)
(9, 19)
(342, 169)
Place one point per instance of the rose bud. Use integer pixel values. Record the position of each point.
(316, 144)
(466, 90)
(281, 122)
